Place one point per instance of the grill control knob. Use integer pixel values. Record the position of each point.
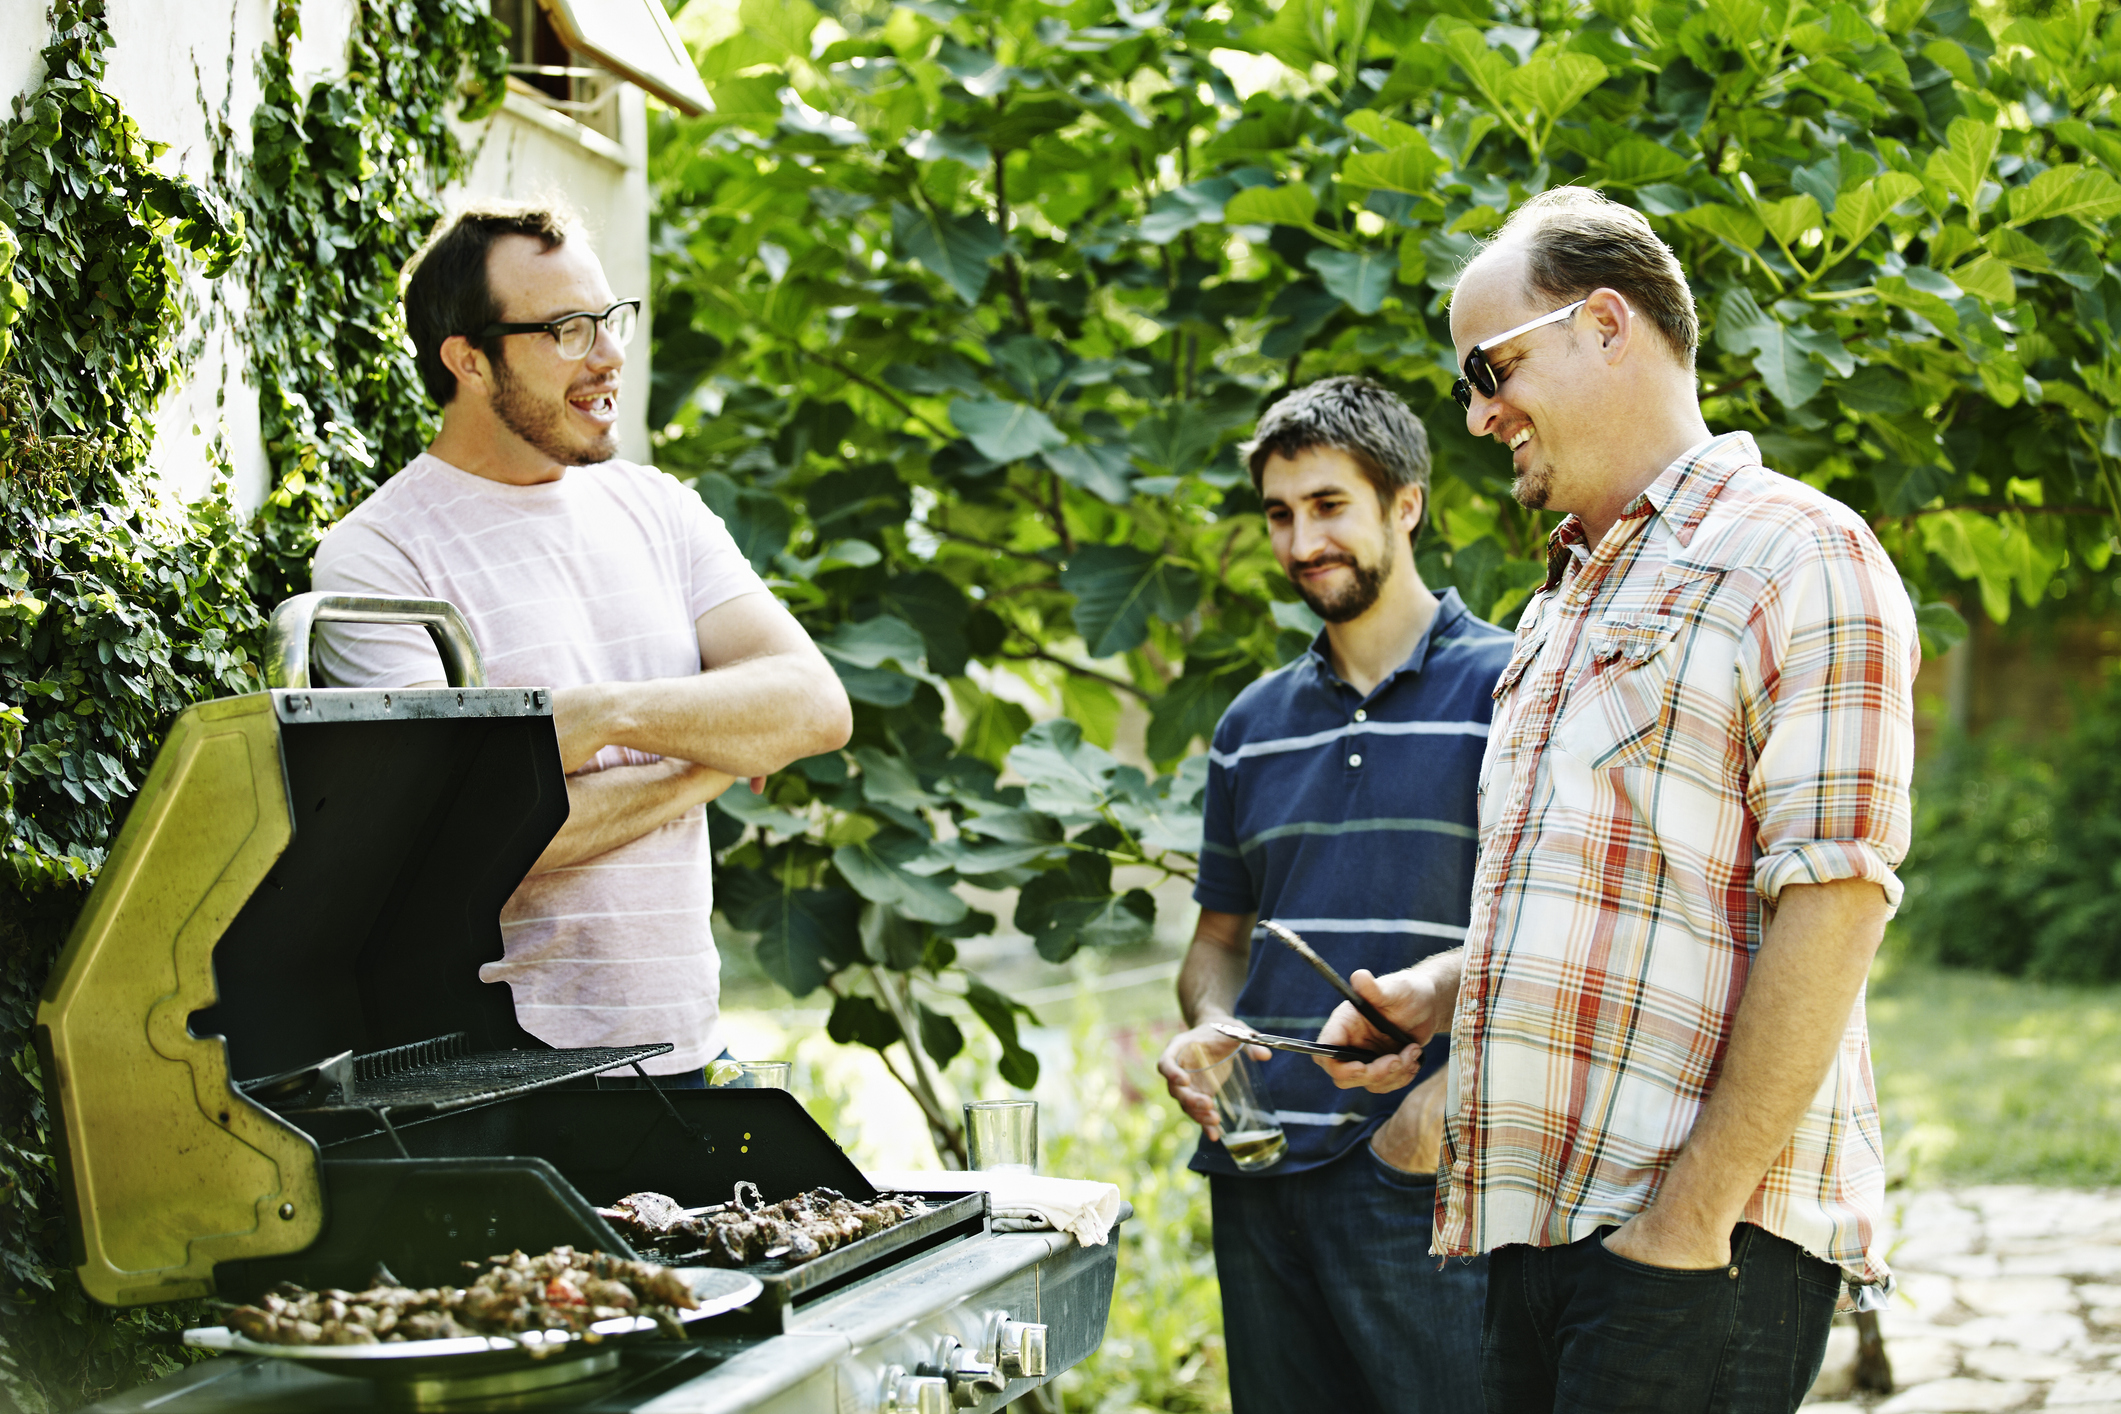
(1020, 1349)
(970, 1380)
(914, 1394)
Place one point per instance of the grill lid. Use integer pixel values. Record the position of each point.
(303, 873)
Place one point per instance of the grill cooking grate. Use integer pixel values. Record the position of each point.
(434, 1076)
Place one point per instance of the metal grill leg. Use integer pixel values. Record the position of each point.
(383, 1118)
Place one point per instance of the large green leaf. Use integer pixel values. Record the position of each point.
(1639, 162)
(859, 1020)
(1740, 227)
(1117, 588)
(2078, 193)
(1858, 212)
(958, 248)
(940, 1037)
(1360, 277)
(1291, 205)
(1554, 82)
(1963, 165)
(860, 651)
(1006, 431)
(1411, 169)
(1180, 210)
(1784, 362)
(804, 934)
(1073, 907)
(877, 873)
(1019, 1066)
(1064, 776)
(1098, 467)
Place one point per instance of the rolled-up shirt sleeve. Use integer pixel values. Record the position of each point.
(1826, 676)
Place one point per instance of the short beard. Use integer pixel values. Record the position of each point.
(1532, 487)
(1356, 599)
(542, 424)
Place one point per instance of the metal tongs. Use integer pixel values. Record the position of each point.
(1371, 1014)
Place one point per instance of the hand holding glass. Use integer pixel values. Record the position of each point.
(1252, 1136)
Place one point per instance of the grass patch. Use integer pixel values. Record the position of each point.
(1990, 1079)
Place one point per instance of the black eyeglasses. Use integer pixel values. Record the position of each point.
(576, 334)
(1481, 374)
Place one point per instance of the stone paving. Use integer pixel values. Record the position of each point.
(2010, 1299)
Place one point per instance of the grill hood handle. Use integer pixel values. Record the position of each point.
(287, 636)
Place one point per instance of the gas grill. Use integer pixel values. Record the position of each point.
(272, 1059)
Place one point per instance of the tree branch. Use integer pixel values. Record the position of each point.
(1059, 512)
(1041, 655)
(873, 386)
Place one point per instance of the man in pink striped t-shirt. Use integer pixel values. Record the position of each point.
(674, 672)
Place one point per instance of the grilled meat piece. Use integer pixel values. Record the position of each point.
(560, 1290)
(747, 1230)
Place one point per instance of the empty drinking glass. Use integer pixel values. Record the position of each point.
(1002, 1135)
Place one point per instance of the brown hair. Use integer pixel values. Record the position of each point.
(447, 291)
(1576, 241)
(1351, 414)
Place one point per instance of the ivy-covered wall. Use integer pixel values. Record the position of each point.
(120, 602)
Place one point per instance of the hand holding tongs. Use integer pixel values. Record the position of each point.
(1340, 984)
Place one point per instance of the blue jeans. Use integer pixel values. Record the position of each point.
(1578, 1330)
(1331, 1300)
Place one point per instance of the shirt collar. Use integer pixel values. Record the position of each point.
(1681, 494)
(1450, 608)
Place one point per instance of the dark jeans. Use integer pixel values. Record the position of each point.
(1578, 1330)
(1332, 1303)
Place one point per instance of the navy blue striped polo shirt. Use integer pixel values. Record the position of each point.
(1351, 820)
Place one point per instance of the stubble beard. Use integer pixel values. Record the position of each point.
(1533, 486)
(1352, 602)
(543, 425)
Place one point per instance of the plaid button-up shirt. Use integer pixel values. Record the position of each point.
(1712, 704)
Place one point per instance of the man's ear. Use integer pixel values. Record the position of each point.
(1612, 320)
(463, 358)
(1408, 507)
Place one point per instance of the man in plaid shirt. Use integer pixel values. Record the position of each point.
(1661, 1122)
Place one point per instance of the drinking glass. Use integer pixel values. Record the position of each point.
(1252, 1136)
(747, 1075)
(1002, 1135)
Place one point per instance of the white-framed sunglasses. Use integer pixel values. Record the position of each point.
(1479, 373)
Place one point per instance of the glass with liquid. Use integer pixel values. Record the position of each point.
(1252, 1136)
(1002, 1135)
(747, 1075)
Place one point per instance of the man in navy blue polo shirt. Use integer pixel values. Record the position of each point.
(1341, 803)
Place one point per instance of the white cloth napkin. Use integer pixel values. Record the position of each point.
(1023, 1202)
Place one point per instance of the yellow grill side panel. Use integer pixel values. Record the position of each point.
(171, 1169)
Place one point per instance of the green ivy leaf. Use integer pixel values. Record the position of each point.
(805, 935)
(1858, 212)
(1554, 82)
(1639, 162)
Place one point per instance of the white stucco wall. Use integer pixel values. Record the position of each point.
(180, 67)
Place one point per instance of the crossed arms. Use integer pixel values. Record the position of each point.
(765, 696)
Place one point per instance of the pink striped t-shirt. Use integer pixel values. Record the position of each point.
(596, 577)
